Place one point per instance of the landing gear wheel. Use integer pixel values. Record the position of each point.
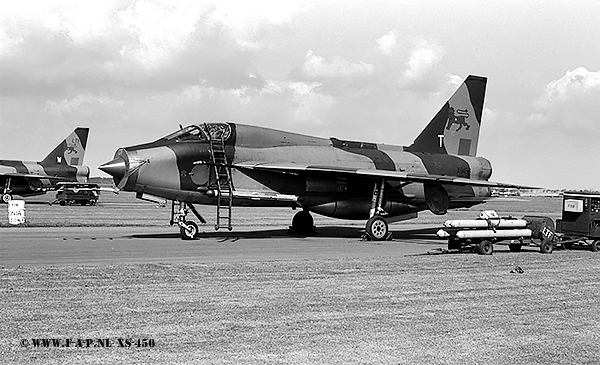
(454, 244)
(515, 247)
(485, 247)
(302, 223)
(377, 228)
(547, 246)
(596, 246)
(189, 231)
(6, 198)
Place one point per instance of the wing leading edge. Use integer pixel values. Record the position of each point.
(32, 176)
(373, 173)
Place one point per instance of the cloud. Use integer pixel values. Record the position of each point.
(156, 24)
(64, 107)
(337, 77)
(317, 67)
(570, 103)
(387, 43)
(158, 30)
(65, 48)
(245, 16)
(455, 80)
(296, 106)
(423, 58)
(575, 84)
(249, 21)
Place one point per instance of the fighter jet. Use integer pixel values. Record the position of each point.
(63, 164)
(228, 164)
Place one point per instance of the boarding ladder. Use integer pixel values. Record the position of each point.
(222, 173)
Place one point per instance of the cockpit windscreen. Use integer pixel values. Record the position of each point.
(201, 132)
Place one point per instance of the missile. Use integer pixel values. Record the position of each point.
(481, 223)
(487, 233)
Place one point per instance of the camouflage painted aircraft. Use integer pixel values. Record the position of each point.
(63, 164)
(228, 164)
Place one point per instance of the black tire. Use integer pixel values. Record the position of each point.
(567, 245)
(377, 228)
(302, 223)
(6, 198)
(454, 244)
(189, 232)
(546, 246)
(595, 246)
(62, 203)
(485, 247)
(515, 247)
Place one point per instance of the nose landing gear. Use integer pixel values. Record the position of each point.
(187, 229)
(6, 195)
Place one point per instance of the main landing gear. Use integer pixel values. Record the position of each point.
(377, 227)
(187, 229)
(302, 223)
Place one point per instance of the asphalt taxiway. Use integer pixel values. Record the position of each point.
(59, 246)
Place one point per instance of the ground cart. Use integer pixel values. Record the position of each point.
(580, 222)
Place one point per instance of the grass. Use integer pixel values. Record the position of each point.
(443, 309)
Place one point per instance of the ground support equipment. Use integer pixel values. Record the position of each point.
(481, 234)
(580, 221)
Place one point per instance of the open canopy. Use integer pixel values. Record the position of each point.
(201, 132)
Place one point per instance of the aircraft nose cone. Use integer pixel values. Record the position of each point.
(116, 168)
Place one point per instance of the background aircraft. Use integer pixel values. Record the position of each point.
(63, 164)
(234, 164)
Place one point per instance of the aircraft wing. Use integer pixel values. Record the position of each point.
(31, 176)
(79, 186)
(373, 173)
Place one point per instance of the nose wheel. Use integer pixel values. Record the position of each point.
(188, 230)
(6, 198)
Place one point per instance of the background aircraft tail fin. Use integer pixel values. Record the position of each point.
(455, 128)
(70, 151)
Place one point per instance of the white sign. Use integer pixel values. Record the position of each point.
(573, 205)
(16, 211)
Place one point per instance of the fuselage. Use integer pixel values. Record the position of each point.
(176, 167)
(27, 178)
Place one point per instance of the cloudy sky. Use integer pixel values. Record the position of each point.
(375, 71)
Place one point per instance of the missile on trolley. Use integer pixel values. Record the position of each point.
(486, 233)
(481, 223)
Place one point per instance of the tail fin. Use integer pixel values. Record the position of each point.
(70, 151)
(455, 128)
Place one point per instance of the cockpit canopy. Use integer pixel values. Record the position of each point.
(216, 131)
